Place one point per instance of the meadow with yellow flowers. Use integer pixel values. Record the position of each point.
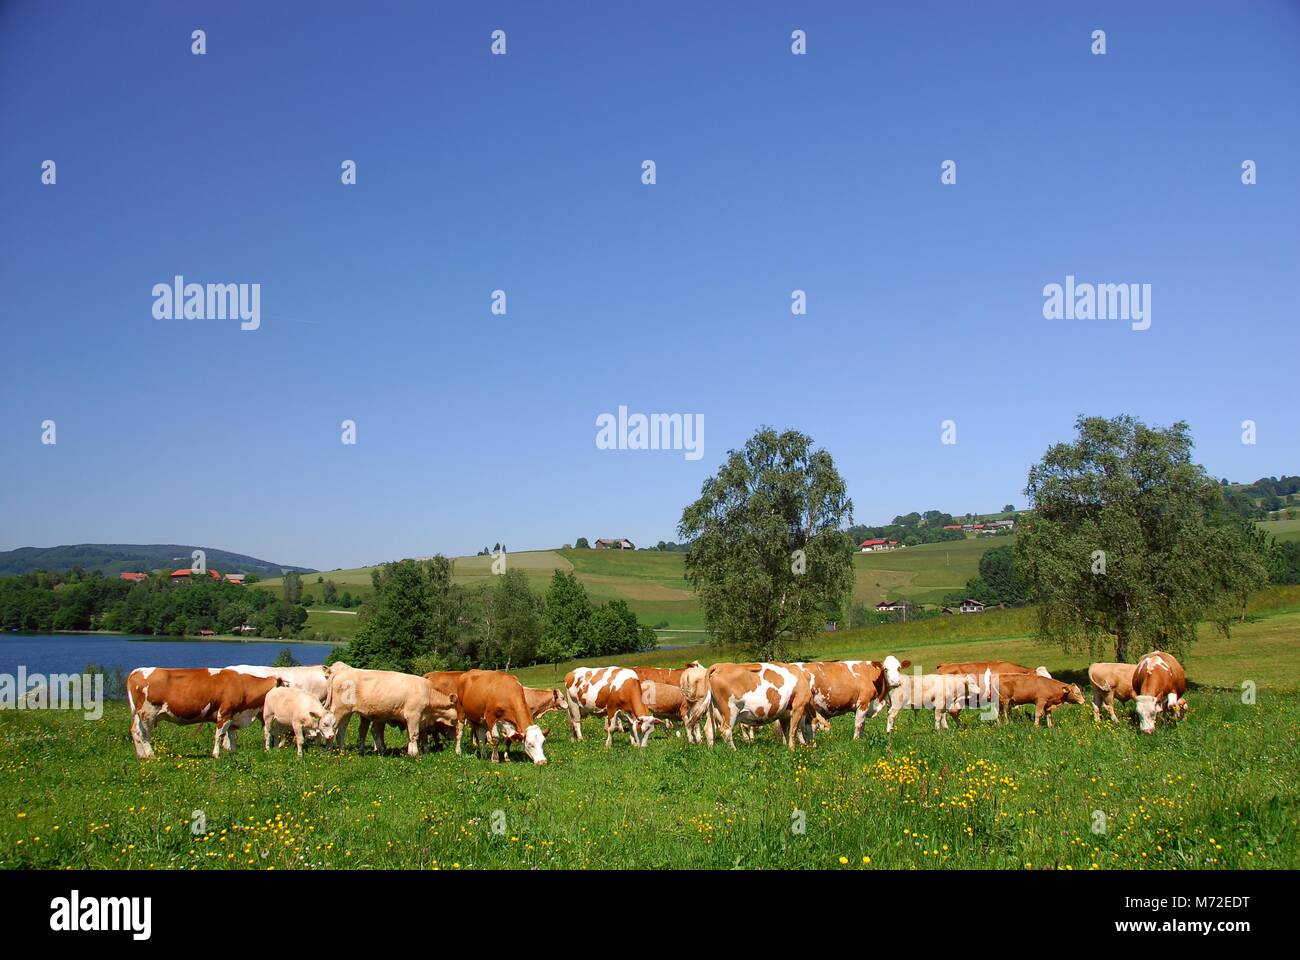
(1217, 791)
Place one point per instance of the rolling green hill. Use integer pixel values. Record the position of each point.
(114, 558)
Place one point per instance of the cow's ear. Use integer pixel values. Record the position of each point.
(905, 664)
(546, 731)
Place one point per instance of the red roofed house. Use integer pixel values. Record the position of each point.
(133, 577)
(870, 546)
(184, 574)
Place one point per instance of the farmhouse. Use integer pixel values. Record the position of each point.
(234, 578)
(621, 543)
(871, 546)
(132, 577)
(971, 606)
(889, 606)
(183, 575)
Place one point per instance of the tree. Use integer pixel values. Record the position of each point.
(293, 587)
(768, 552)
(1130, 540)
(1009, 508)
(285, 659)
(581, 544)
(330, 592)
(1001, 578)
(565, 610)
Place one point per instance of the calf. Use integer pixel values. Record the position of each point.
(613, 691)
(1110, 682)
(861, 686)
(759, 693)
(942, 692)
(495, 706)
(666, 701)
(1159, 684)
(295, 709)
(1013, 689)
(188, 696)
(384, 696)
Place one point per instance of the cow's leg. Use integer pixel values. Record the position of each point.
(141, 726)
(859, 718)
(1110, 706)
(379, 738)
(363, 730)
(1097, 700)
(727, 722)
(341, 734)
(460, 729)
(1047, 711)
(266, 733)
(890, 717)
(1038, 713)
(575, 716)
(223, 727)
(412, 736)
(611, 718)
(297, 735)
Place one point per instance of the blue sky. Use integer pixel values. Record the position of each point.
(476, 172)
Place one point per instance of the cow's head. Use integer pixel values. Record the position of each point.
(893, 671)
(534, 737)
(642, 727)
(327, 725)
(1074, 694)
(1147, 709)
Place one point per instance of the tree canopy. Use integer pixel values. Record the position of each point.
(769, 557)
(1131, 540)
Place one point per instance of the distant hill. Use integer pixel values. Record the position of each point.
(113, 558)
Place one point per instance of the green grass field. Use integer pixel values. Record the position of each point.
(1221, 790)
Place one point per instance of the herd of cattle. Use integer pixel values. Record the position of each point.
(318, 702)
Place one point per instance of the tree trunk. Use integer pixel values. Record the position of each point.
(1121, 645)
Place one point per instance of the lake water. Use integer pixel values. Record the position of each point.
(70, 652)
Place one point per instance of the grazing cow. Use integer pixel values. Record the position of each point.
(495, 706)
(942, 692)
(384, 696)
(611, 691)
(665, 700)
(297, 710)
(1110, 682)
(313, 679)
(862, 686)
(759, 693)
(1159, 684)
(542, 701)
(188, 696)
(1046, 695)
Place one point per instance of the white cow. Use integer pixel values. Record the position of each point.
(297, 710)
(941, 692)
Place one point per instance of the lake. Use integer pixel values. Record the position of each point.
(70, 652)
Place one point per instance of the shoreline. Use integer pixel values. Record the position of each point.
(152, 638)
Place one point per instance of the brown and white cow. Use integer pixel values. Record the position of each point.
(189, 696)
(860, 686)
(384, 696)
(1013, 689)
(944, 693)
(1110, 682)
(1159, 684)
(694, 683)
(495, 707)
(759, 693)
(293, 708)
(614, 692)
